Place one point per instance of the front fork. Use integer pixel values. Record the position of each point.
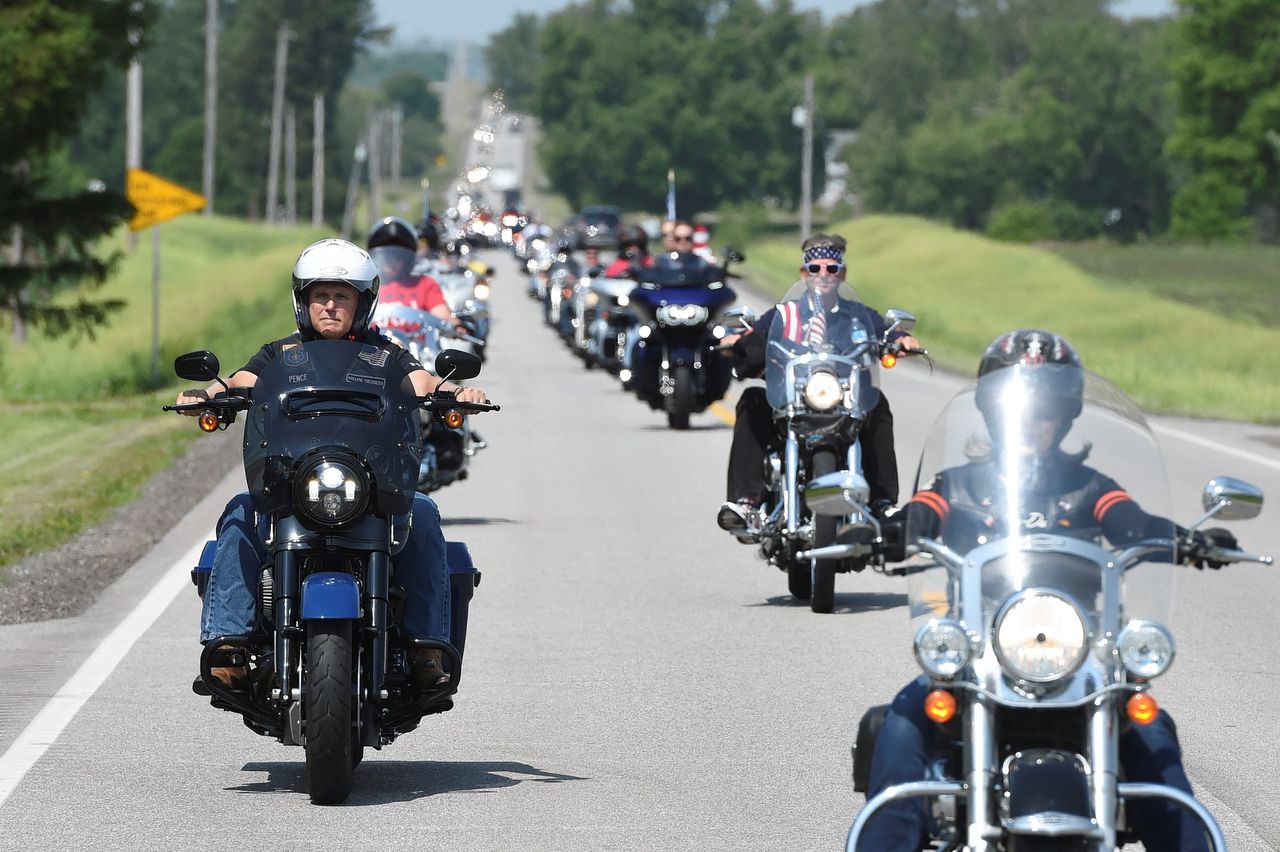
(791, 492)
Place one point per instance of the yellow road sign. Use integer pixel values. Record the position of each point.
(157, 199)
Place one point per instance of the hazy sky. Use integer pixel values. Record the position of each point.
(448, 20)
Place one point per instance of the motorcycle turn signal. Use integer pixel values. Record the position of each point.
(888, 360)
(1142, 709)
(940, 706)
(453, 418)
(209, 421)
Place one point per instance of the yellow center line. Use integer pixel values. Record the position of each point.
(722, 411)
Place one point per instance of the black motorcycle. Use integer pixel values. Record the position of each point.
(331, 453)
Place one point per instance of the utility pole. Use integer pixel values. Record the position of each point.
(806, 163)
(133, 122)
(317, 161)
(375, 166)
(397, 127)
(353, 187)
(277, 120)
(290, 166)
(210, 99)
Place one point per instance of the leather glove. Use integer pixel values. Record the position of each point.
(1203, 540)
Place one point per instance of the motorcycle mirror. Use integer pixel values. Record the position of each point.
(899, 320)
(743, 314)
(1229, 499)
(841, 493)
(456, 365)
(732, 255)
(199, 366)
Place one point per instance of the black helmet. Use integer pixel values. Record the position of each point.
(634, 236)
(429, 233)
(1046, 368)
(393, 231)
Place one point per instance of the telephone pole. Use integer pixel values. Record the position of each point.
(277, 120)
(353, 186)
(806, 163)
(317, 161)
(375, 166)
(397, 126)
(290, 166)
(133, 123)
(210, 99)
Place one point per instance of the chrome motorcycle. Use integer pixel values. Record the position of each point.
(1040, 641)
(821, 394)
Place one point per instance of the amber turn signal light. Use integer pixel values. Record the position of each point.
(1142, 709)
(208, 421)
(940, 706)
(888, 359)
(453, 418)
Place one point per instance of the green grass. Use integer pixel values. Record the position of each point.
(1169, 355)
(84, 419)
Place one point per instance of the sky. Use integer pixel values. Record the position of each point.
(450, 20)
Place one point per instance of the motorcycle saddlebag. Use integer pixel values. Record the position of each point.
(865, 746)
(463, 579)
(204, 567)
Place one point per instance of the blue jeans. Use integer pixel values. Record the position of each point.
(907, 741)
(230, 601)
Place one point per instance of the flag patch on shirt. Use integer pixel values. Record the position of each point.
(374, 355)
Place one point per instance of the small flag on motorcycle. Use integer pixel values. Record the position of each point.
(671, 194)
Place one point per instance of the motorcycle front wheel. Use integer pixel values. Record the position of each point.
(680, 403)
(327, 705)
(823, 595)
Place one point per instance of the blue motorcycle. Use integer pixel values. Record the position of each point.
(676, 365)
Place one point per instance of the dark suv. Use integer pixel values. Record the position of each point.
(596, 226)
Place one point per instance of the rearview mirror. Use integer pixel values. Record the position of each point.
(199, 366)
(732, 255)
(1231, 499)
(899, 320)
(456, 365)
(743, 314)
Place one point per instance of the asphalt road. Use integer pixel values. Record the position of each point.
(635, 679)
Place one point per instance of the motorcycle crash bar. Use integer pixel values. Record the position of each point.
(835, 551)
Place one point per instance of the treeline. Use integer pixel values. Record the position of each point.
(326, 38)
(1023, 118)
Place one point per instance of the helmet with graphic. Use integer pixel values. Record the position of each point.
(1030, 375)
(341, 262)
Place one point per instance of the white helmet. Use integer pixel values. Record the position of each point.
(339, 261)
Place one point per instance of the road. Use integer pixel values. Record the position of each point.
(635, 679)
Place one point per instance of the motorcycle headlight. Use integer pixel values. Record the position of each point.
(1040, 637)
(823, 392)
(682, 314)
(1146, 648)
(481, 291)
(591, 299)
(942, 648)
(331, 493)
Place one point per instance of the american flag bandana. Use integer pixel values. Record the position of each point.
(823, 253)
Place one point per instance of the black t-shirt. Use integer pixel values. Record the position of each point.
(270, 350)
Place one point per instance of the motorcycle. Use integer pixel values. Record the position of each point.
(676, 365)
(1040, 642)
(821, 395)
(331, 457)
(447, 448)
(608, 321)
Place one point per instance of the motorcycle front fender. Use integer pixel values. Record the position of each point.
(330, 595)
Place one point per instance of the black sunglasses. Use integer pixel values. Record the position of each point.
(819, 268)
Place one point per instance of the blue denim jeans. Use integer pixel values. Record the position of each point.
(230, 601)
(907, 742)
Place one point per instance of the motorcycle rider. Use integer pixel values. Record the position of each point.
(754, 432)
(399, 284)
(1076, 498)
(633, 252)
(335, 291)
(591, 265)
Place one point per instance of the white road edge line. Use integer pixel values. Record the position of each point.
(49, 723)
(1223, 448)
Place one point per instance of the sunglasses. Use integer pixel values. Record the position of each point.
(683, 238)
(819, 268)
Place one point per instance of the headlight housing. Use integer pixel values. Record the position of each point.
(1146, 648)
(1040, 636)
(823, 392)
(682, 314)
(942, 648)
(331, 493)
(481, 291)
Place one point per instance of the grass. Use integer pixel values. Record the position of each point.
(85, 418)
(1170, 355)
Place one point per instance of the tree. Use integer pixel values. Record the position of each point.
(51, 56)
(514, 61)
(1227, 69)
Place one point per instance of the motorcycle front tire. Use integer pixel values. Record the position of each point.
(680, 403)
(328, 714)
(823, 595)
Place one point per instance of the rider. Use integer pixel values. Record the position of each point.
(335, 291)
(754, 432)
(1075, 497)
(399, 242)
(633, 252)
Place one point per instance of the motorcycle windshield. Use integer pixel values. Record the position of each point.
(395, 263)
(416, 330)
(823, 326)
(1034, 497)
(336, 395)
(681, 269)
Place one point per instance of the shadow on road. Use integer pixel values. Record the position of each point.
(849, 602)
(381, 781)
(693, 427)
